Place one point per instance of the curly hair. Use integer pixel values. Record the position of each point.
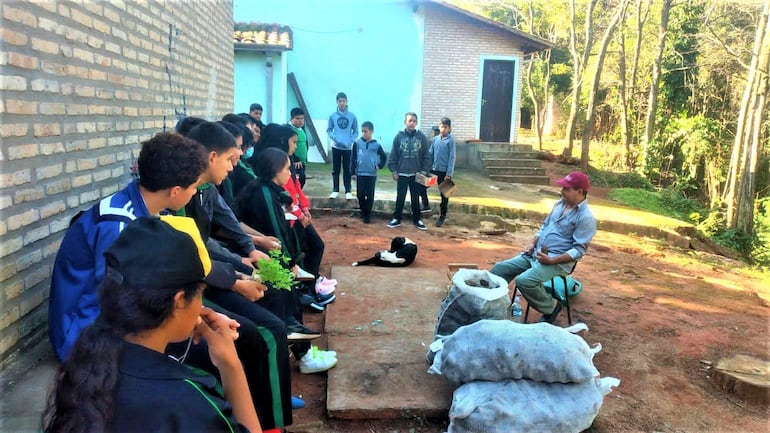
(84, 395)
(168, 160)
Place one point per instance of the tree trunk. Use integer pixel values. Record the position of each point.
(588, 126)
(625, 137)
(578, 68)
(652, 102)
(632, 91)
(743, 164)
(535, 103)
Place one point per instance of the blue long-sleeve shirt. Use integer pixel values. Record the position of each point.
(567, 232)
(442, 151)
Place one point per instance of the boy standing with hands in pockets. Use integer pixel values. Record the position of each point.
(367, 158)
(408, 156)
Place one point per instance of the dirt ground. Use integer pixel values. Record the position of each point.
(663, 317)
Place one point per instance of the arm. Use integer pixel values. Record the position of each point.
(330, 128)
(394, 157)
(221, 345)
(383, 158)
(267, 243)
(354, 158)
(229, 227)
(450, 169)
(354, 127)
(425, 153)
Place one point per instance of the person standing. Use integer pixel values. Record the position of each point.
(367, 158)
(343, 131)
(299, 160)
(442, 151)
(408, 155)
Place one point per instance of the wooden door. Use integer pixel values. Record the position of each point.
(497, 100)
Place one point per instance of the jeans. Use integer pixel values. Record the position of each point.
(402, 184)
(530, 276)
(340, 158)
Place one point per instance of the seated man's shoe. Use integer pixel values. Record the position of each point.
(297, 403)
(395, 222)
(551, 317)
(440, 220)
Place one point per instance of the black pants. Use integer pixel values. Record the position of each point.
(424, 196)
(341, 158)
(444, 200)
(312, 245)
(402, 184)
(263, 350)
(302, 175)
(365, 192)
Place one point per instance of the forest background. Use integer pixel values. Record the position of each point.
(666, 102)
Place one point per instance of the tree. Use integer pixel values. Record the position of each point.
(588, 126)
(652, 102)
(739, 191)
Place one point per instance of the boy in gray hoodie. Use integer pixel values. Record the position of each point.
(366, 159)
(343, 131)
(408, 156)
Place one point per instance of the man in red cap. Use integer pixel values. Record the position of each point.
(560, 242)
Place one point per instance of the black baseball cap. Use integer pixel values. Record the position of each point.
(159, 252)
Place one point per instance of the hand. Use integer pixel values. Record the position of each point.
(529, 248)
(216, 330)
(447, 177)
(395, 176)
(256, 255)
(306, 212)
(250, 289)
(266, 242)
(298, 165)
(352, 177)
(247, 261)
(545, 259)
(216, 321)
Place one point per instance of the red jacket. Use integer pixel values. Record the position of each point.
(299, 200)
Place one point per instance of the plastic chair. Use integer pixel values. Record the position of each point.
(569, 291)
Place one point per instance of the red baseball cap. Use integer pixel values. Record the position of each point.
(576, 179)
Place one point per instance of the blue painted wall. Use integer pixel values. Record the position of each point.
(251, 84)
(370, 49)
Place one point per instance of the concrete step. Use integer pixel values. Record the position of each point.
(531, 180)
(514, 171)
(508, 155)
(512, 163)
(502, 147)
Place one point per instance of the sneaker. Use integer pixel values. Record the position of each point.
(335, 194)
(440, 220)
(348, 196)
(303, 275)
(426, 209)
(310, 303)
(324, 289)
(325, 299)
(313, 362)
(297, 403)
(420, 225)
(290, 216)
(299, 332)
(395, 222)
(327, 281)
(366, 219)
(550, 318)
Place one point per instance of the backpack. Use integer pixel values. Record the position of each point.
(556, 286)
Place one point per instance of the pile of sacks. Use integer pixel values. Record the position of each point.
(514, 377)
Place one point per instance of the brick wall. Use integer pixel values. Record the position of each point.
(454, 44)
(82, 84)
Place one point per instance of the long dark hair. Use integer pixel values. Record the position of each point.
(270, 162)
(84, 394)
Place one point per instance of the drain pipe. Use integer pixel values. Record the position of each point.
(269, 96)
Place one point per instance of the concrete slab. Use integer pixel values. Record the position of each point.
(381, 325)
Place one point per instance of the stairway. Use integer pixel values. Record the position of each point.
(506, 162)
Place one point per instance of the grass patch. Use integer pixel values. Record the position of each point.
(665, 202)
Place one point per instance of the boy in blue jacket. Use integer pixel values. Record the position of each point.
(343, 131)
(367, 157)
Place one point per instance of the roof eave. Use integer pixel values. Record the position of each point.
(533, 43)
(241, 46)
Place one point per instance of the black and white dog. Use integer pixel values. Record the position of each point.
(402, 252)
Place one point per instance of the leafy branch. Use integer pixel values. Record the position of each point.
(275, 270)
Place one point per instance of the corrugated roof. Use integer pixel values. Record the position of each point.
(263, 37)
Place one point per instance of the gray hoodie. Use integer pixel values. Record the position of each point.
(342, 129)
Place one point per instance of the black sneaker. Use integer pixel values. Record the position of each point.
(366, 219)
(550, 318)
(310, 303)
(325, 299)
(426, 209)
(395, 222)
(298, 332)
(420, 225)
(440, 220)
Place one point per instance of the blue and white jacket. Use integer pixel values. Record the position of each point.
(442, 151)
(367, 158)
(79, 266)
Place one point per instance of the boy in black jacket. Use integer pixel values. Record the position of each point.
(408, 156)
(367, 158)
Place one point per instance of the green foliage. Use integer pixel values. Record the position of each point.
(611, 179)
(275, 271)
(760, 252)
(667, 202)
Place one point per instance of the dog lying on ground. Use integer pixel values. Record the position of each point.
(402, 252)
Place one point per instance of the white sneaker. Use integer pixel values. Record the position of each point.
(348, 196)
(303, 275)
(335, 194)
(315, 361)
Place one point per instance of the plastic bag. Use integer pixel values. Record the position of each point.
(497, 350)
(475, 295)
(527, 406)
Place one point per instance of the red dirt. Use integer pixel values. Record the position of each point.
(663, 316)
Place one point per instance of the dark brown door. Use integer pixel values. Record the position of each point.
(497, 100)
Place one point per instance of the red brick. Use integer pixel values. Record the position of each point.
(22, 61)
